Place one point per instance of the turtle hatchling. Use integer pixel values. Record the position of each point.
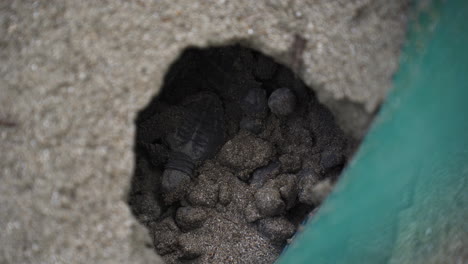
(198, 138)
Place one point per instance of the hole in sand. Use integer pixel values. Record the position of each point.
(231, 157)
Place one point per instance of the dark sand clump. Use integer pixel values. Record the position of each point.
(231, 158)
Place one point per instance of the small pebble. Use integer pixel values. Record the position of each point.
(277, 229)
(282, 102)
(254, 103)
(189, 218)
(268, 201)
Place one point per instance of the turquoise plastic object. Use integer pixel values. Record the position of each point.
(404, 197)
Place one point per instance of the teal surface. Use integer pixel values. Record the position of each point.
(404, 197)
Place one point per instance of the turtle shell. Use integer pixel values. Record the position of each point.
(201, 133)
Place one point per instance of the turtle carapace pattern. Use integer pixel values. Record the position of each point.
(202, 130)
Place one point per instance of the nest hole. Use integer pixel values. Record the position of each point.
(232, 156)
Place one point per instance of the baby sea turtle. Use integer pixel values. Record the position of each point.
(198, 138)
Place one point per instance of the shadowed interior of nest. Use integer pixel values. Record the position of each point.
(231, 157)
